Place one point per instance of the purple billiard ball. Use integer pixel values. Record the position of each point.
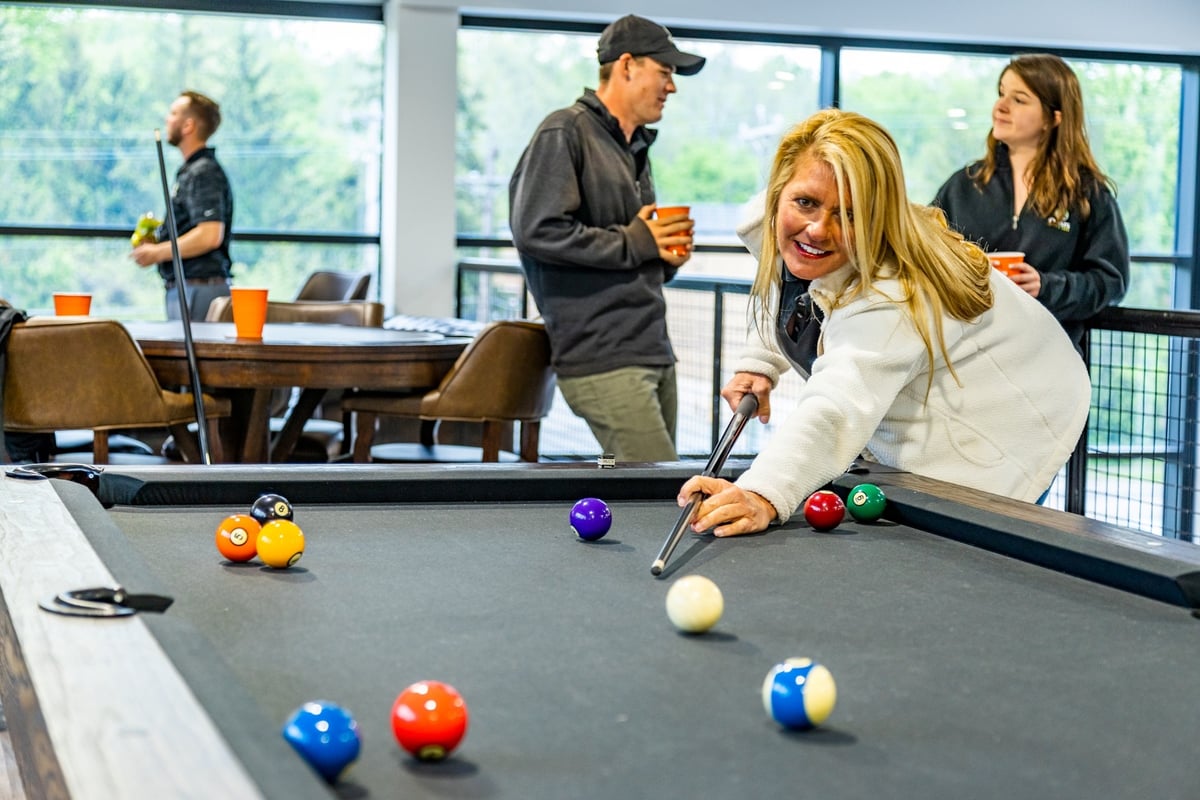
(591, 518)
(325, 735)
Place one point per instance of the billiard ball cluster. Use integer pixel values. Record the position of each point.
(267, 532)
(824, 510)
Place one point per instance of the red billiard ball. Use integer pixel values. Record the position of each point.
(429, 719)
(824, 510)
(237, 537)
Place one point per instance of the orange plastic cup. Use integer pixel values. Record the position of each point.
(72, 304)
(674, 211)
(249, 311)
(1006, 260)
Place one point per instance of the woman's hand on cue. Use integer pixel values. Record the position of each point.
(744, 383)
(725, 507)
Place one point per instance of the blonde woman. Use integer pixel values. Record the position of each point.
(927, 360)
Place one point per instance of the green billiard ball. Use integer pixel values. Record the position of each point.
(866, 502)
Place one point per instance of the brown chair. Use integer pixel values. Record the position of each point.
(351, 312)
(86, 372)
(323, 285)
(503, 377)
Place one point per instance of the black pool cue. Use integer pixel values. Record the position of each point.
(185, 315)
(745, 410)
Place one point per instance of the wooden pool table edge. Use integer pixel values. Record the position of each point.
(125, 726)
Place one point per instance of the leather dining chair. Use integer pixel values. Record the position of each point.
(332, 286)
(89, 373)
(503, 377)
(351, 312)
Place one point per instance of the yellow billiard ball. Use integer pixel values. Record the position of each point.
(280, 543)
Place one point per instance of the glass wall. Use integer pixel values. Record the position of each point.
(82, 92)
(720, 131)
(938, 107)
(715, 139)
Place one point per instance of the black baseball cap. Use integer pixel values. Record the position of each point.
(639, 36)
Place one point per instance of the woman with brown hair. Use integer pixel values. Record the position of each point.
(1038, 190)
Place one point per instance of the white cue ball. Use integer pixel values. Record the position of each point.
(694, 604)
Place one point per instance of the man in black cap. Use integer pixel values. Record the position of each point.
(595, 256)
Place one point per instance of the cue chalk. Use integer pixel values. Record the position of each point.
(745, 410)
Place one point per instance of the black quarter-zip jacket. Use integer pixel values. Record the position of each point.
(1084, 263)
(591, 264)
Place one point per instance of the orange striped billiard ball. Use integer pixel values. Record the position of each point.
(280, 543)
(237, 537)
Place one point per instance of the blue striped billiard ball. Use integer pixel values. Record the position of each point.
(799, 693)
(325, 735)
(591, 518)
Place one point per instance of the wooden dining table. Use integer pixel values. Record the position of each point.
(316, 358)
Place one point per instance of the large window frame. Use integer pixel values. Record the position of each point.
(260, 126)
(1185, 293)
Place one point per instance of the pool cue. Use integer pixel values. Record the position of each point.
(745, 410)
(185, 315)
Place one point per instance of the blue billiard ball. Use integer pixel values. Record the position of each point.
(799, 693)
(591, 518)
(325, 735)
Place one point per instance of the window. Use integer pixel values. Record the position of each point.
(715, 142)
(82, 91)
(938, 108)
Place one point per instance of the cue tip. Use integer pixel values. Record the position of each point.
(657, 567)
(157, 135)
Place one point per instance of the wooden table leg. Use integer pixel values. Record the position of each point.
(285, 442)
(258, 429)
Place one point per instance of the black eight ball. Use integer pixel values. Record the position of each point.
(269, 507)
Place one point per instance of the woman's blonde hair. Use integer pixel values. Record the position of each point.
(939, 273)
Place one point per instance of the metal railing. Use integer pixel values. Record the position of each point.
(1136, 466)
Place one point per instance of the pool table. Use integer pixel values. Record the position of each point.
(982, 648)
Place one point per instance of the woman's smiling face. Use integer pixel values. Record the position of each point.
(808, 221)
